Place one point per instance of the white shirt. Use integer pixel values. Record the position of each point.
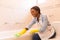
(43, 22)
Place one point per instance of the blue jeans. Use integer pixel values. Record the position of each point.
(36, 37)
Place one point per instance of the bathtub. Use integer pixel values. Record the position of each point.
(10, 35)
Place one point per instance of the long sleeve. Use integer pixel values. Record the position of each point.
(31, 23)
(44, 24)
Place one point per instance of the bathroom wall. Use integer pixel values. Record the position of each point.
(52, 9)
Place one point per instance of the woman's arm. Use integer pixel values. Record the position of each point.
(31, 23)
(27, 28)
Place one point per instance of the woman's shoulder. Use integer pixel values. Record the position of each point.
(43, 15)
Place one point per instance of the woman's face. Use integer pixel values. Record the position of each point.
(34, 12)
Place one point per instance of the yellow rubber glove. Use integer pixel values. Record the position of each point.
(34, 31)
(21, 33)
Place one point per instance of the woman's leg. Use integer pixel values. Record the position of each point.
(36, 37)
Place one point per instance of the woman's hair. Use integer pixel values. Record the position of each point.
(36, 8)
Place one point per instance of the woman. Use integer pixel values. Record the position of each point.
(41, 20)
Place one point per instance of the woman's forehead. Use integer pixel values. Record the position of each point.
(33, 10)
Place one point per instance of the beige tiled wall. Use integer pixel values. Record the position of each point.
(51, 8)
(13, 13)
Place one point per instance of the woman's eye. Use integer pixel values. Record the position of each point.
(32, 11)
